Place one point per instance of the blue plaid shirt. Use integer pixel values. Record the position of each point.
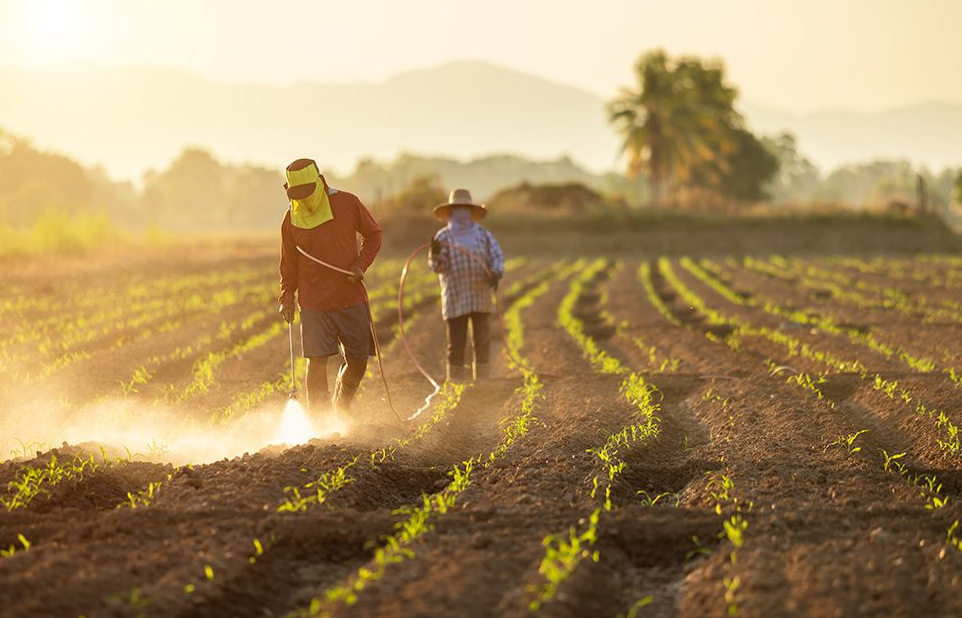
(465, 287)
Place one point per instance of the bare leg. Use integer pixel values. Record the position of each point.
(316, 382)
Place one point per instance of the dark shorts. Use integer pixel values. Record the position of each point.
(327, 332)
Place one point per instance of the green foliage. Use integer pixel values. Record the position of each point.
(644, 275)
(929, 487)
(741, 173)
(196, 191)
(35, 184)
(600, 360)
(56, 232)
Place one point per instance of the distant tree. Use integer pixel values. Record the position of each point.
(741, 172)
(34, 182)
(797, 178)
(198, 192)
(958, 188)
(419, 197)
(678, 116)
(377, 183)
(875, 183)
(190, 193)
(255, 196)
(573, 197)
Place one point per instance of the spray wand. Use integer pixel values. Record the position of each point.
(377, 346)
(517, 362)
(290, 332)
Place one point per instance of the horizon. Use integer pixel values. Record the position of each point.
(751, 109)
(828, 109)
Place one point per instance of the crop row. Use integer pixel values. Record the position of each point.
(947, 432)
(417, 519)
(318, 491)
(57, 341)
(930, 489)
(48, 333)
(563, 553)
(840, 286)
(938, 272)
(928, 486)
(80, 302)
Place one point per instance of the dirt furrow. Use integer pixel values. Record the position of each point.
(936, 338)
(863, 399)
(775, 440)
(516, 502)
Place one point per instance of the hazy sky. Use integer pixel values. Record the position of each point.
(794, 55)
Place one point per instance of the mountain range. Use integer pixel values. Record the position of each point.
(136, 118)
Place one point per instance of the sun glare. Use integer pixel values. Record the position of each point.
(52, 30)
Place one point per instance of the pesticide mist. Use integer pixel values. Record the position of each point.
(155, 432)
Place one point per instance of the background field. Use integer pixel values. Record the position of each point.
(713, 417)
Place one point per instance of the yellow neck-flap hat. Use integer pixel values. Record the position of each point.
(307, 191)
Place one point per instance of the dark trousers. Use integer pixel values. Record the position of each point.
(458, 338)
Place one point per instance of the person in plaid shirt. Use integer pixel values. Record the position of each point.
(465, 285)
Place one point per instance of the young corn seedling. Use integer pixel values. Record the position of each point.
(637, 606)
(698, 550)
(10, 551)
(731, 594)
(929, 487)
(32, 482)
(562, 556)
(847, 442)
(653, 499)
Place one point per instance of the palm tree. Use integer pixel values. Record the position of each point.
(640, 117)
(679, 116)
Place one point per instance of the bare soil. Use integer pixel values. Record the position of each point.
(830, 532)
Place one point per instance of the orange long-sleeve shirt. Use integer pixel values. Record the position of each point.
(335, 242)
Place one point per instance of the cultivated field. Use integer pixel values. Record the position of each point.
(768, 436)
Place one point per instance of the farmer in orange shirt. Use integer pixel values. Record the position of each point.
(325, 223)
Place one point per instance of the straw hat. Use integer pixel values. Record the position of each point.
(460, 197)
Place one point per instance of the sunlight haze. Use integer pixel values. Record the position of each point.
(796, 56)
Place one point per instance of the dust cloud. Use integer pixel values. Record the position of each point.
(156, 432)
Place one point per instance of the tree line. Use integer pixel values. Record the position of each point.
(685, 147)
